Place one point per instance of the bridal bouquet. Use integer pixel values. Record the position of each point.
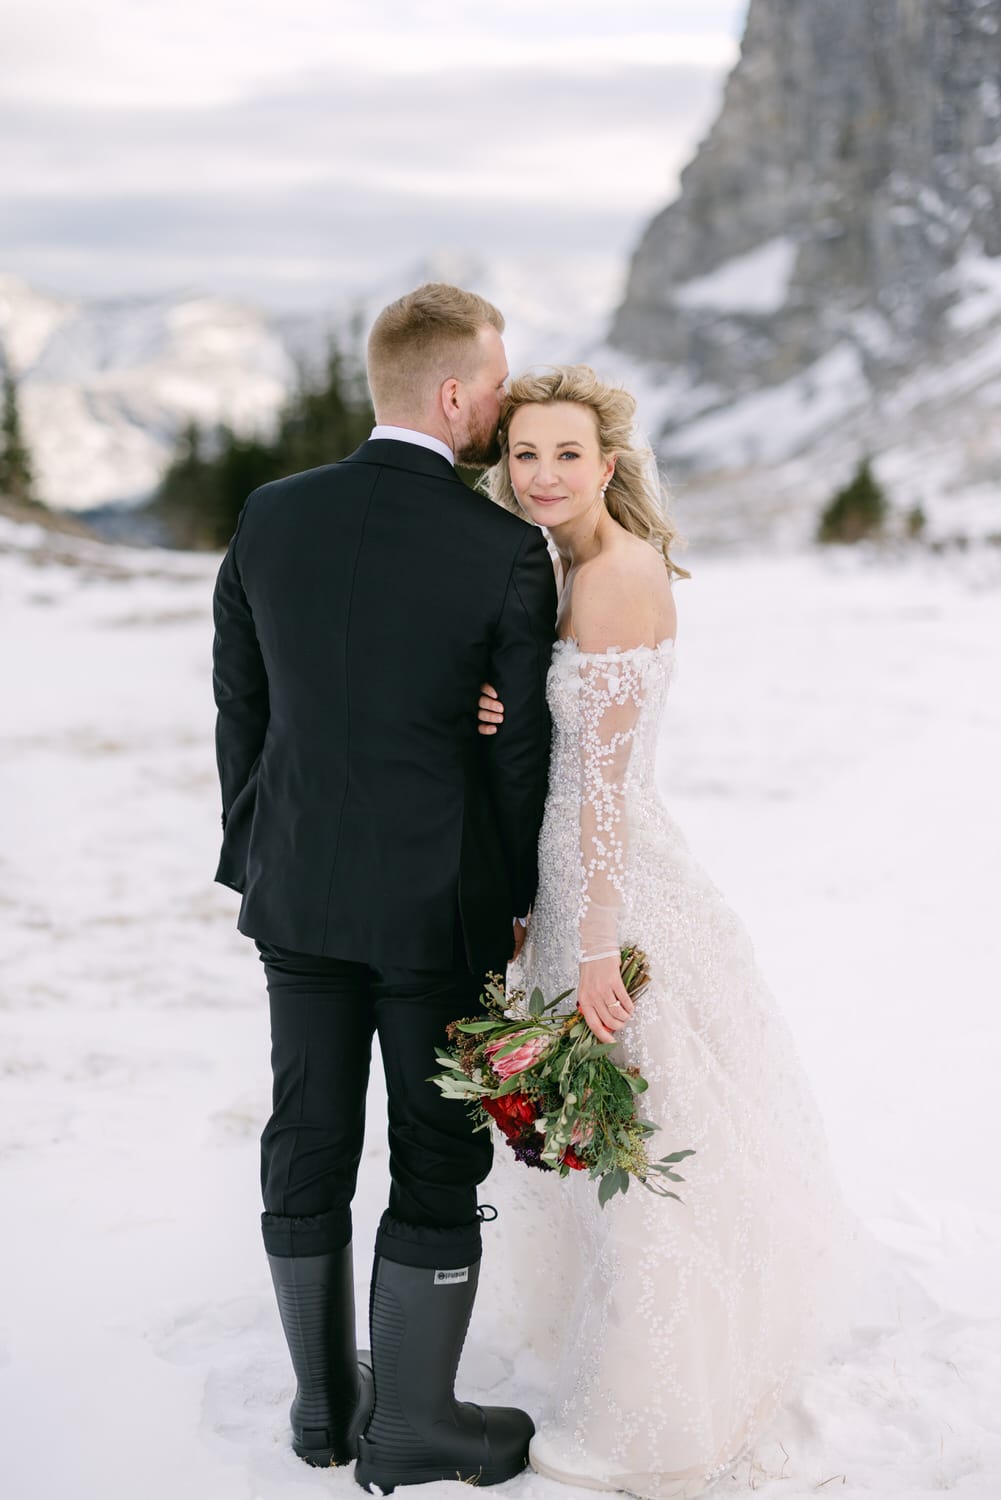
(562, 1102)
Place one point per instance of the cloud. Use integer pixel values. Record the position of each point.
(298, 247)
(130, 54)
(540, 138)
(560, 132)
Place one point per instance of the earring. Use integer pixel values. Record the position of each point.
(604, 487)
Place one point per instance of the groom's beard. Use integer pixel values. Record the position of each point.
(481, 449)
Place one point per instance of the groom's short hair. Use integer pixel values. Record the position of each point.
(422, 339)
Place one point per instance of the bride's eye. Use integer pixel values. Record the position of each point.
(526, 453)
(569, 454)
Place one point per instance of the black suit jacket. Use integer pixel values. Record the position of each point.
(357, 611)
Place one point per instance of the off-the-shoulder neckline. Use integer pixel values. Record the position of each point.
(615, 651)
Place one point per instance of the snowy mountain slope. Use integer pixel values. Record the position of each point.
(830, 749)
(765, 464)
(105, 386)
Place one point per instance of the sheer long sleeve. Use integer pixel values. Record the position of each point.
(611, 695)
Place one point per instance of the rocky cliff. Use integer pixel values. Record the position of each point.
(836, 242)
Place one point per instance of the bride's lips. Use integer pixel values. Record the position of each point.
(546, 499)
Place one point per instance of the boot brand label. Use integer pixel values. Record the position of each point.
(448, 1278)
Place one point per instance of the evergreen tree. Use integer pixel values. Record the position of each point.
(326, 418)
(203, 491)
(916, 522)
(856, 511)
(185, 491)
(16, 481)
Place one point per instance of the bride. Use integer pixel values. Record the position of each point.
(681, 1326)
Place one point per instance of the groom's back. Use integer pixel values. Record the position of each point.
(376, 589)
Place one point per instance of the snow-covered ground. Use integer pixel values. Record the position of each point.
(832, 751)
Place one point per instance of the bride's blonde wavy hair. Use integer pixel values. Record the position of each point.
(636, 496)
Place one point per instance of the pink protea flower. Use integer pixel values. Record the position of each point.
(516, 1062)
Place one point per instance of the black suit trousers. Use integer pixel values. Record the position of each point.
(324, 1014)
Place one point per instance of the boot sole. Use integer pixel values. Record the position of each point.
(321, 1458)
(387, 1477)
(334, 1458)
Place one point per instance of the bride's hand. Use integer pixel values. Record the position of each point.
(602, 998)
(489, 710)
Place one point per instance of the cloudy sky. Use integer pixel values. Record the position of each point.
(290, 153)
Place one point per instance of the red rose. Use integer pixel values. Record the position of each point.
(508, 1127)
(522, 1108)
(514, 1106)
(512, 1113)
(571, 1159)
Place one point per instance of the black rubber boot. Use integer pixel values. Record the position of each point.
(418, 1431)
(316, 1301)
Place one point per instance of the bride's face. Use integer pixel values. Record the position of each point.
(555, 462)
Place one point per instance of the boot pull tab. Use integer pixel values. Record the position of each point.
(486, 1213)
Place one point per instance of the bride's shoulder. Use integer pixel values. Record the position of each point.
(628, 559)
(622, 598)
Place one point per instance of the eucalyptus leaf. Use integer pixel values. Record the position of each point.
(606, 1189)
(510, 1085)
(456, 1088)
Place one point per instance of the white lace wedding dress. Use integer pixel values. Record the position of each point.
(675, 1328)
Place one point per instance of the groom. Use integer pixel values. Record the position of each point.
(384, 852)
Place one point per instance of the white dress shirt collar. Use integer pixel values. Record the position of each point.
(408, 435)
